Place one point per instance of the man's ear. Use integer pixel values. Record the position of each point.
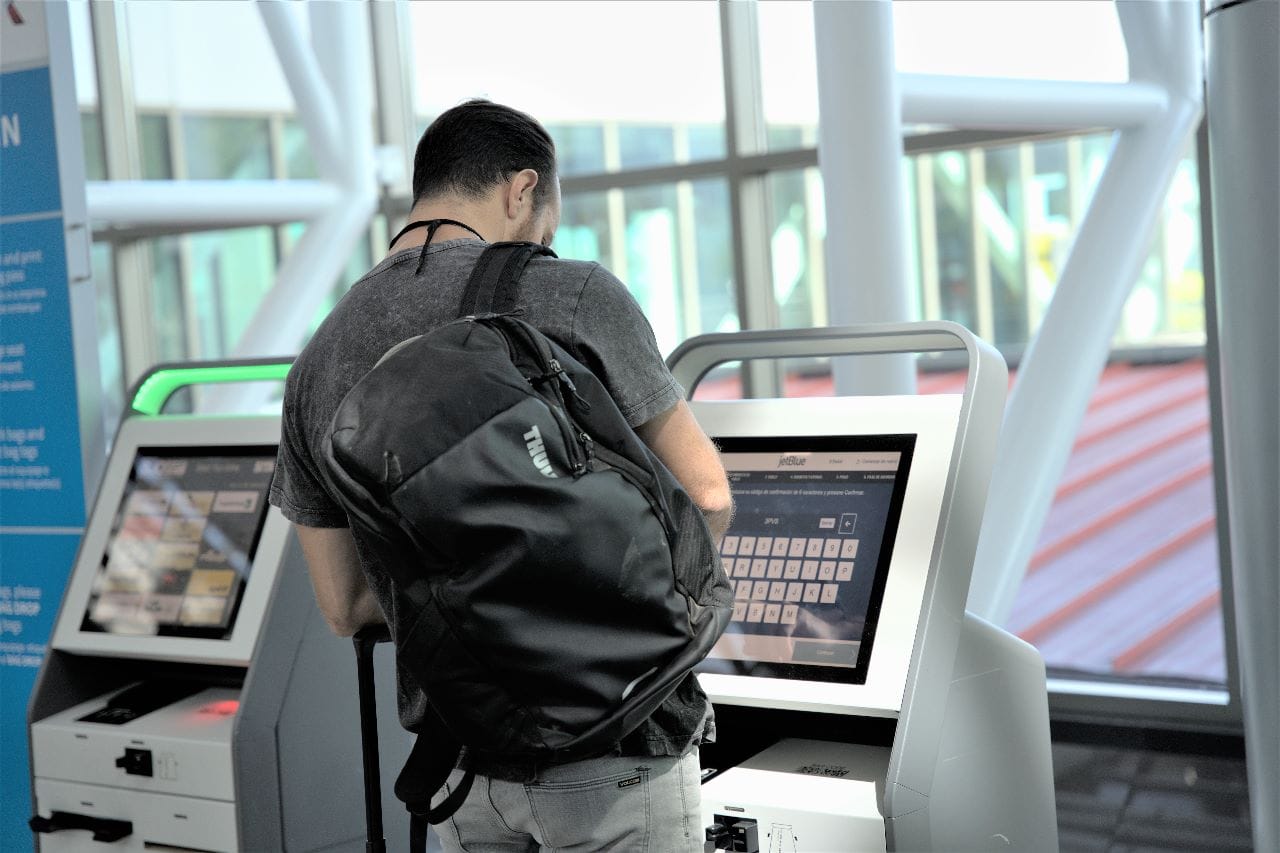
(520, 192)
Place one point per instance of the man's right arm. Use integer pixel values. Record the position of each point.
(676, 438)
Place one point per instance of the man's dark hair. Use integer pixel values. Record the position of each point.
(477, 144)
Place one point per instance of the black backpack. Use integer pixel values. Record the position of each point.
(563, 582)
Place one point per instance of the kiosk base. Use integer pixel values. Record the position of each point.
(804, 795)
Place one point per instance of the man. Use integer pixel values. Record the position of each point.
(490, 170)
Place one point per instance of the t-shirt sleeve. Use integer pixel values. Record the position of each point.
(297, 487)
(616, 342)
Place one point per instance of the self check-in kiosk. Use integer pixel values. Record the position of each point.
(874, 712)
(193, 697)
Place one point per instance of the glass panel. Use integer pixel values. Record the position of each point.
(360, 262)
(622, 106)
(1124, 579)
(168, 300)
(994, 38)
(83, 55)
(110, 357)
(204, 56)
(954, 233)
(669, 243)
(1001, 213)
(154, 136)
(298, 162)
(1166, 308)
(797, 232)
(230, 273)
(222, 147)
(788, 74)
(95, 159)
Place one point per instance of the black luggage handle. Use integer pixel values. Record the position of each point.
(104, 829)
(365, 640)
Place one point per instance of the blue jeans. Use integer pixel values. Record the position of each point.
(612, 803)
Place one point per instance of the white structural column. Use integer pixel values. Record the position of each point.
(1062, 363)
(1243, 71)
(860, 153)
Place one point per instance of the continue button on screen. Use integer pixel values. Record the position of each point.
(837, 654)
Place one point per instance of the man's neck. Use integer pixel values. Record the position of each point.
(474, 215)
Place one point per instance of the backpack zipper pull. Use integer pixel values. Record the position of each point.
(558, 370)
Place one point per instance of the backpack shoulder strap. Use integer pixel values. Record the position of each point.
(495, 280)
(434, 755)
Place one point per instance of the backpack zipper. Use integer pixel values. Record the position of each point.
(633, 473)
(579, 457)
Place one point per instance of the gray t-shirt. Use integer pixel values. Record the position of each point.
(581, 305)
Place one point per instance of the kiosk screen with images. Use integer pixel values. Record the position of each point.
(182, 543)
(808, 553)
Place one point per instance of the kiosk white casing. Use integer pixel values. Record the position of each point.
(969, 767)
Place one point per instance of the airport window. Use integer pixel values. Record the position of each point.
(796, 240)
(230, 273)
(296, 153)
(669, 243)
(95, 159)
(1003, 204)
(223, 148)
(622, 101)
(110, 356)
(154, 139)
(788, 74)
(579, 148)
(169, 320)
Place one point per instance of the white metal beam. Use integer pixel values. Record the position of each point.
(996, 103)
(204, 203)
(1060, 368)
(860, 152)
(317, 109)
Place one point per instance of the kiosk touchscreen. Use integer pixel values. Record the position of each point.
(193, 697)
(182, 542)
(813, 533)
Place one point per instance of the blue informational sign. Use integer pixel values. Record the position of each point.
(28, 153)
(29, 596)
(42, 479)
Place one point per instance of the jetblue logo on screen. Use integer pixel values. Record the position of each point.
(791, 461)
(538, 451)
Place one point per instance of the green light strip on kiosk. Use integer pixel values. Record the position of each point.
(160, 386)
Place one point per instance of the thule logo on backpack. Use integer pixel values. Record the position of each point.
(538, 451)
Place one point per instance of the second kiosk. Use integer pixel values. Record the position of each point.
(859, 706)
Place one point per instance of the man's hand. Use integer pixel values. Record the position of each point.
(341, 591)
(676, 438)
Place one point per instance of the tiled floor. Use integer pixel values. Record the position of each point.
(1142, 801)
